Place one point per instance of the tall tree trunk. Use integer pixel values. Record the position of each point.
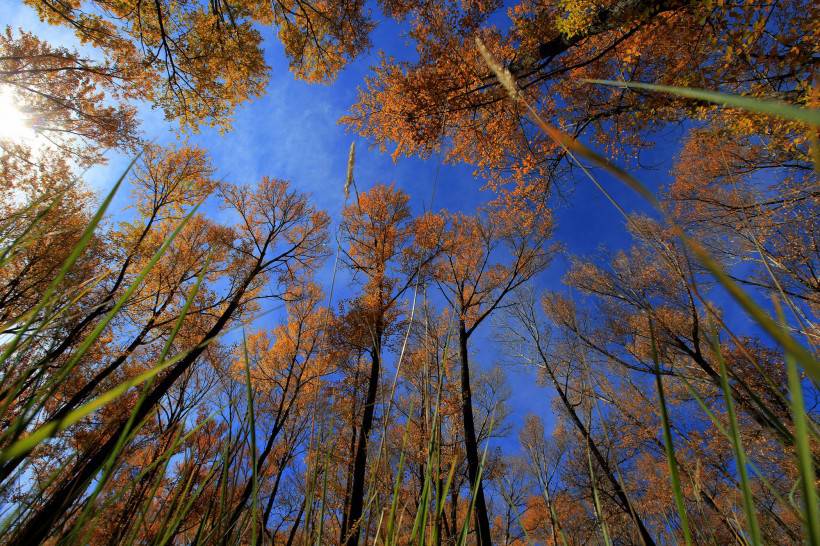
(482, 520)
(620, 494)
(353, 435)
(350, 529)
(452, 530)
(294, 529)
(281, 466)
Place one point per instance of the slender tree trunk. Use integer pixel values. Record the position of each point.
(292, 534)
(280, 473)
(482, 521)
(620, 494)
(353, 436)
(350, 529)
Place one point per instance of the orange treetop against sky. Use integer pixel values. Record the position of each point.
(318, 370)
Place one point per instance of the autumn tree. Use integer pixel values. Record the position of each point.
(425, 431)
(565, 370)
(484, 258)
(543, 457)
(75, 111)
(170, 413)
(744, 183)
(629, 420)
(448, 96)
(656, 286)
(648, 319)
(286, 369)
(721, 195)
(279, 236)
(76, 106)
(53, 217)
(386, 250)
(197, 60)
(513, 489)
(164, 184)
(167, 181)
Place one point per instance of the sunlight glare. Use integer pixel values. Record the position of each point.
(14, 125)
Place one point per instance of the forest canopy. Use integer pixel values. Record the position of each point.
(188, 356)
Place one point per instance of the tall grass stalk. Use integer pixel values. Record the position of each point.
(760, 316)
(669, 444)
(462, 540)
(397, 481)
(752, 466)
(23, 241)
(30, 411)
(311, 477)
(778, 109)
(323, 505)
(740, 454)
(252, 422)
(805, 460)
(76, 251)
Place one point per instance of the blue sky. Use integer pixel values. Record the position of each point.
(292, 133)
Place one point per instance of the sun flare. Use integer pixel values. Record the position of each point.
(14, 124)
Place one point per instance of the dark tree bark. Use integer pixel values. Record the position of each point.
(620, 494)
(352, 525)
(292, 534)
(482, 520)
(604, 20)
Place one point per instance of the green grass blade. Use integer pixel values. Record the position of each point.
(669, 444)
(22, 239)
(760, 475)
(69, 262)
(473, 494)
(252, 421)
(49, 429)
(805, 461)
(763, 319)
(54, 427)
(740, 453)
(771, 107)
(394, 503)
(570, 145)
(87, 342)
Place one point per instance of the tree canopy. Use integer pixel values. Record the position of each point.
(192, 356)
